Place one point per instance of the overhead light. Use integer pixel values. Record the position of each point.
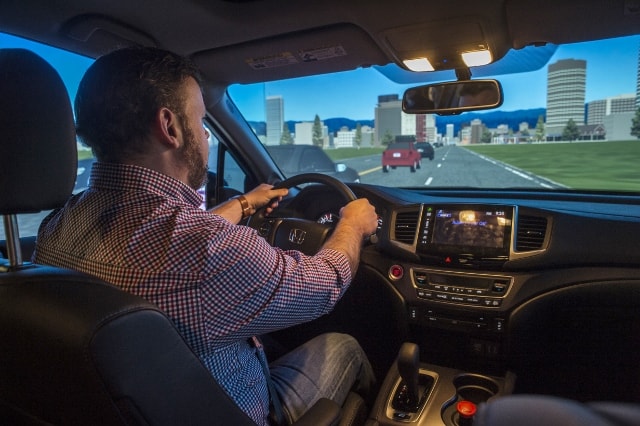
(476, 58)
(418, 64)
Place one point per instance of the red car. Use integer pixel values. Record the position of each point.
(401, 154)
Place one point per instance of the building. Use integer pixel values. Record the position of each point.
(599, 109)
(566, 81)
(368, 134)
(614, 115)
(304, 133)
(476, 131)
(345, 138)
(638, 82)
(617, 127)
(274, 106)
(426, 130)
(390, 121)
(449, 132)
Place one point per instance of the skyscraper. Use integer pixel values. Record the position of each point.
(388, 117)
(597, 110)
(638, 81)
(274, 106)
(566, 80)
(391, 120)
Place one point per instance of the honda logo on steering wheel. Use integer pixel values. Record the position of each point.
(296, 236)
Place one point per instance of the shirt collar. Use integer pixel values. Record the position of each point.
(127, 177)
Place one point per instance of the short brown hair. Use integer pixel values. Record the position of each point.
(120, 94)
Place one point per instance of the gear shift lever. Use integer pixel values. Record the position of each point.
(408, 366)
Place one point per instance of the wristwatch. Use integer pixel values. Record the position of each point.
(246, 210)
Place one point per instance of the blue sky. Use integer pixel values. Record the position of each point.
(611, 71)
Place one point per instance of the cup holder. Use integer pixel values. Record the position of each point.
(469, 387)
(474, 388)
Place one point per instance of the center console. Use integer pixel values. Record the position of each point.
(445, 396)
(457, 293)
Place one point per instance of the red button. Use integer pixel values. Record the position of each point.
(396, 272)
(466, 409)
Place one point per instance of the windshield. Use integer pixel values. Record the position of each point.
(571, 125)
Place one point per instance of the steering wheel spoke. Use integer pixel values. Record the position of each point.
(301, 234)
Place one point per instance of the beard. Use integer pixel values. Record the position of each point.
(192, 157)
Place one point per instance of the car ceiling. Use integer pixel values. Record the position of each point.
(244, 41)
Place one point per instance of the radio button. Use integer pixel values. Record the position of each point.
(492, 303)
(424, 294)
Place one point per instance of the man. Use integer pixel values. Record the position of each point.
(139, 226)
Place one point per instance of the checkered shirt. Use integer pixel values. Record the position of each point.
(219, 282)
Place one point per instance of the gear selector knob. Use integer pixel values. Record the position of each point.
(408, 366)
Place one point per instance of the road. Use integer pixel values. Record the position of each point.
(452, 166)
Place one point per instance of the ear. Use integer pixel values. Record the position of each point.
(167, 127)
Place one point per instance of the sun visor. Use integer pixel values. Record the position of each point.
(319, 51)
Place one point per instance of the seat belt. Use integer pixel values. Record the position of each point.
(273, 395)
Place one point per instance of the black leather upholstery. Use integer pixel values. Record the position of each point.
(38, 155)
(78, 351)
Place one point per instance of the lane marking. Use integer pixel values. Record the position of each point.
(428, 182)
(366, 172)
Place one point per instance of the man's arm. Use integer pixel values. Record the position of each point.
(358, 220)
(263, 195)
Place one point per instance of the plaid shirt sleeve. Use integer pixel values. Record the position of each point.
(251, 288)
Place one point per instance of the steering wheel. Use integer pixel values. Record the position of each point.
(291, 233)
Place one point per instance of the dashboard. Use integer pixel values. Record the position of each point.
(481, 279)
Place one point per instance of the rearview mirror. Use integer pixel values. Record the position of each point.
(452, 97)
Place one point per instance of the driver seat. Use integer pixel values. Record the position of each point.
(76, 350)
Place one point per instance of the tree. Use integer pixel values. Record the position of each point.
(357, 139)
(635, 125)
(540, 129)
(571, 131)
(286, 138)
(486, 136)
(387, 138)
(317, 138)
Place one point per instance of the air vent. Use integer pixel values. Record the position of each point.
(406, 226)
(531, 232)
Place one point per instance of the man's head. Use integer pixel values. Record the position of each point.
(121, 96)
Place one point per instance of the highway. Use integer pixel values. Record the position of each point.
(452, 166)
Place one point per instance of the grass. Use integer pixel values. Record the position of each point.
(84, 154)
(579, 165)
(342, 153)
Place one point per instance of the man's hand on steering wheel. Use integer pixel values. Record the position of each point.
(264, 196)
(308, 235)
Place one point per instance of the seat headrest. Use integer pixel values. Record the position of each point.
(38, 154)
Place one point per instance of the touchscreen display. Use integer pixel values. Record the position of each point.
(474, 228)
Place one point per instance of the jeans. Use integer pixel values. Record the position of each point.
(329, 366)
